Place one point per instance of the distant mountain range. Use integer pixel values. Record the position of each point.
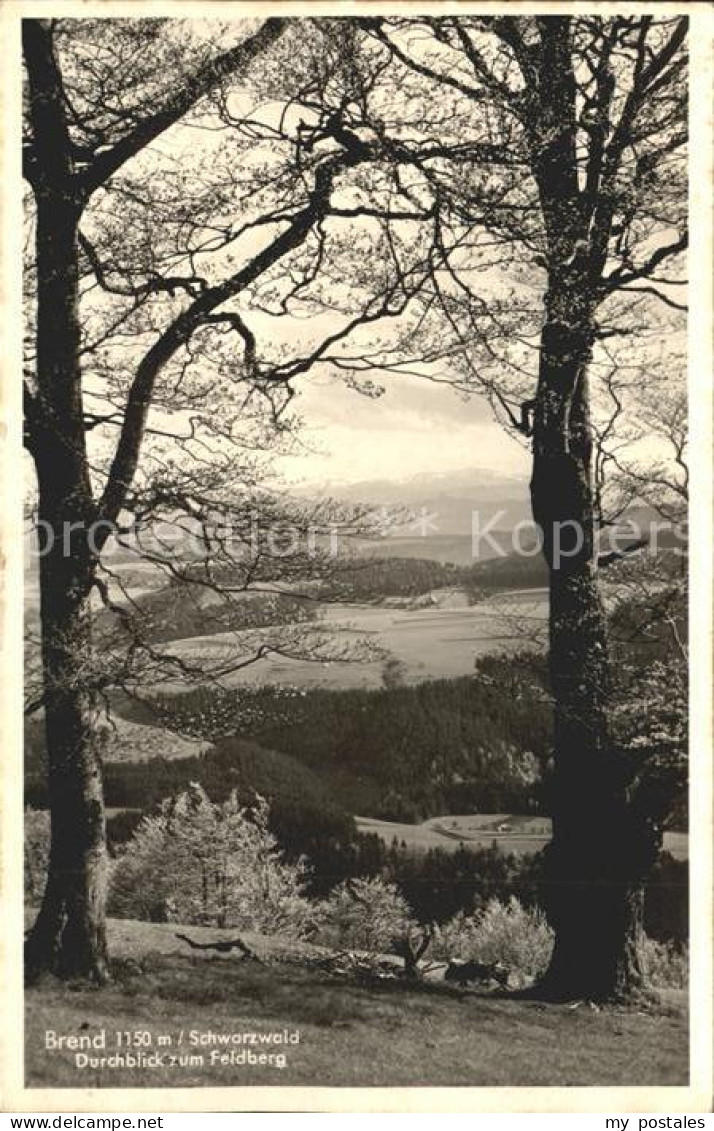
(446, 512)
(451, 496)
(438, 511)
(436, 516)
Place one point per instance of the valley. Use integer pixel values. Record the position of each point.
(438, 637)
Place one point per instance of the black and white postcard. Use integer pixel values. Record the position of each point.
(357, 567)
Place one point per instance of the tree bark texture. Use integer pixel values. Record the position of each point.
(69, 934)
(599, 856)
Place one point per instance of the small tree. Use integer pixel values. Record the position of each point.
(509, 933)
(367, 914)
(213, 864)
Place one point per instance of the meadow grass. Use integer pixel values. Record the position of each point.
(351, 1033)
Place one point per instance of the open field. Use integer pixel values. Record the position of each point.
(429, 643)
(481, 830)
(349, 1033)
(436, 636)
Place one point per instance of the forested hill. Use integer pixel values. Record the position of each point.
(185, 610)
(405, 753)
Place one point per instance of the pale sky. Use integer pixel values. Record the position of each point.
(415, 427)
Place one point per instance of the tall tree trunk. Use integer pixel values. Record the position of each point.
(68, 936)
(594, 884)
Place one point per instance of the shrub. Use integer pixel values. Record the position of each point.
(508, 933)
(210, 863)
(664, 965)
(37, 853)
(365, 915)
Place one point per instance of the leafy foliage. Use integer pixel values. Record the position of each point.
(665, 964)
(437, 886)
(650, 723)
(367, 914)
(37, 853)
(215, 864)
(509, 933)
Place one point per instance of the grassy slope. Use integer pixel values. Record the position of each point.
(350, 1034)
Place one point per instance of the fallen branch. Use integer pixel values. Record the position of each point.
(223, 946)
